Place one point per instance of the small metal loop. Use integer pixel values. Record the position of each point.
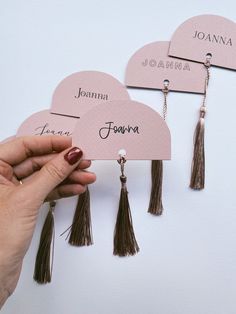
(207, 62)
(20, 182)
(52, 205)
(165, 90)
(166, 84)
(122, 162)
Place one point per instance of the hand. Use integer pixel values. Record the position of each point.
(49, 169)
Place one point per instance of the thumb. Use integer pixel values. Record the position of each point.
(54, 172)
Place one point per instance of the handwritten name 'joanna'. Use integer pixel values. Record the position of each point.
(46, 130)
(110, 127)
(87, 94)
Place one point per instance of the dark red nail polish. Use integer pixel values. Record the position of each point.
(73, 155)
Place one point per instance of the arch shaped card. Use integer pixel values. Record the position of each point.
(46, 123)
(204, 34)
(151, 65)
(81, 91)
(123, 124)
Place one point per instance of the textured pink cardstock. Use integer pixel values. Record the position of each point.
(204, 34)
(123, 125)
(44, 123)
(151, 65)
(81, 91)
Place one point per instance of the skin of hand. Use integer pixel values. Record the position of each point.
(49, 169)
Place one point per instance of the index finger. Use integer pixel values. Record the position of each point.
(21, 148)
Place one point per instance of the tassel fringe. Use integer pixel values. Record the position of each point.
(197, 181)
(44, 261)
(124, 238)
(155, 203)
(80, 233)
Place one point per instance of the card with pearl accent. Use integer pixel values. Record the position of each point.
(124, 125)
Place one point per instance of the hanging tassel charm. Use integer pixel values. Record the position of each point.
(155, 203)
(124, 238)
(80, 233)
(44, 258)
(197, 180)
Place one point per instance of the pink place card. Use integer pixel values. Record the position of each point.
(124, 125)
(45, 123)
(81, 91)
(150, 66)
(206, 34)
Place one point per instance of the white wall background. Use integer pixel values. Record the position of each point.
(187, 263)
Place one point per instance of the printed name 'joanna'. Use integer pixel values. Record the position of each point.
(46, 130)
(213, 38)
(166, 64)
(105, 131)
(82, 93)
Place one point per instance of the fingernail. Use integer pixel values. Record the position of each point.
(73, 155)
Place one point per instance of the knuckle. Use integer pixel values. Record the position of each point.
(34, 165)
(55, 172)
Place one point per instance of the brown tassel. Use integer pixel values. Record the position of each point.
(80, 233)
(44, 261)
(124, 237)
(197, 181)
(155, 203)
